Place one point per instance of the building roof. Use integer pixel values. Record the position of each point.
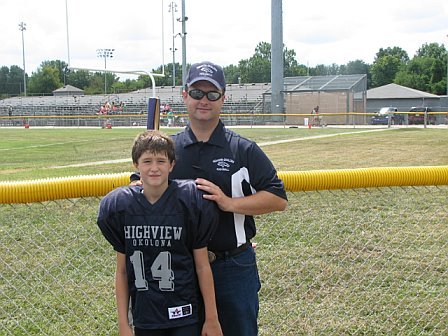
(325, 83)
(68, 88)
(394, 91)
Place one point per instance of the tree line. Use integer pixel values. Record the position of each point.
(425, 71)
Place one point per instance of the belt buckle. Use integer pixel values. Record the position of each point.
(211, 257)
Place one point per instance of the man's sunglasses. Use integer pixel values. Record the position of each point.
(199, 94)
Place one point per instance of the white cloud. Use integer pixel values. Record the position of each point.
(320, 32)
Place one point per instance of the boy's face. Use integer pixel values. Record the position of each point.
(154, 169)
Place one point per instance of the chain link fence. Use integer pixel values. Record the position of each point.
(353, 262)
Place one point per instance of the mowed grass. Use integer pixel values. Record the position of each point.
(42, 153)
(356, 262)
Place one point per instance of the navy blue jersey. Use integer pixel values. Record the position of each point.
(238, 166)
(158, 240)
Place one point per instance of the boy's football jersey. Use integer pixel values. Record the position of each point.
(158, 240)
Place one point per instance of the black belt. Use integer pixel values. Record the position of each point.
(212, 255)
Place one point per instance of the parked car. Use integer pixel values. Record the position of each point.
(382, 117)
(418, 116)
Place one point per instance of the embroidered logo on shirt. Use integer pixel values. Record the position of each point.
(223, 164)
(180, 311)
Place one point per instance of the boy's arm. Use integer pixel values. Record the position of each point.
(205, 278)
(122, 296)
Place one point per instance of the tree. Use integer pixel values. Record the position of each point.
(291, 66)
(437, 70)
(60, 66)
(45, 80)
(15, 81)
(384, 69)
(232, 73)
(257, 69)
(11, 80)
(433, 50)
(355, 68)
(78, 78)
(397, 52)
(426, 71)
(96, 84)
(4, 76)
(319, 70)
(386, 65)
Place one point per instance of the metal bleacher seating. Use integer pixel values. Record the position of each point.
(245, 98)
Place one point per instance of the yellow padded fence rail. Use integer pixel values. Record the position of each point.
(99, 185)
(364, 178)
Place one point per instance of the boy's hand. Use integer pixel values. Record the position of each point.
(211, 328)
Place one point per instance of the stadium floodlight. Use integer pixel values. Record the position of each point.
(22, 27)
(173, 9)
(105, 53)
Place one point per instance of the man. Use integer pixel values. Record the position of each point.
(240, 178)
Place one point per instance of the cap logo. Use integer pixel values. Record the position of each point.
(206, 70)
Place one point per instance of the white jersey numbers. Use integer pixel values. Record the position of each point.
(139, 270)
(160, 270)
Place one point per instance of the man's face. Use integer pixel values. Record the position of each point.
(203, 109)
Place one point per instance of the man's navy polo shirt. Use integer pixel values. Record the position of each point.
(238, 166)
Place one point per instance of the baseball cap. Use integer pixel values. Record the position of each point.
(207, 71)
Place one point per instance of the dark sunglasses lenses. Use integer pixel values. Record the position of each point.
(199, 94)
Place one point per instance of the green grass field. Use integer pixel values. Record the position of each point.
(41, 153)
(351, 262)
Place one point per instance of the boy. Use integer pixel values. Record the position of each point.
(160, 231)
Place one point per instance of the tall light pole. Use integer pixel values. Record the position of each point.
(22, 27)
(173, 9)
(105, 53)
(446, 69)
(183, 19)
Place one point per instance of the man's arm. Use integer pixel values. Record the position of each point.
(122, 296)
(259, 203)
(211, 325)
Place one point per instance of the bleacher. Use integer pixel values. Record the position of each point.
(247, 98)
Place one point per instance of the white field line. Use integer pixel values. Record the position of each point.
(319, 137)
(47, 145)
(52, 144)
(97, 163)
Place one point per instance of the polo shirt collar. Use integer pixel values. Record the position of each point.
(217, 138)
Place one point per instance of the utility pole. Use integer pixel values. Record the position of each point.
(184, 46)
(22, 27)
(173, 9)
(277, 80)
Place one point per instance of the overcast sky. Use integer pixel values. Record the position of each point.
(224, 31)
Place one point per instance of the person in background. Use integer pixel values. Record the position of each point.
(316, 117)
(160, 231)
(236, 174)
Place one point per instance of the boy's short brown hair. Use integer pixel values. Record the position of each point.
(154, 142)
